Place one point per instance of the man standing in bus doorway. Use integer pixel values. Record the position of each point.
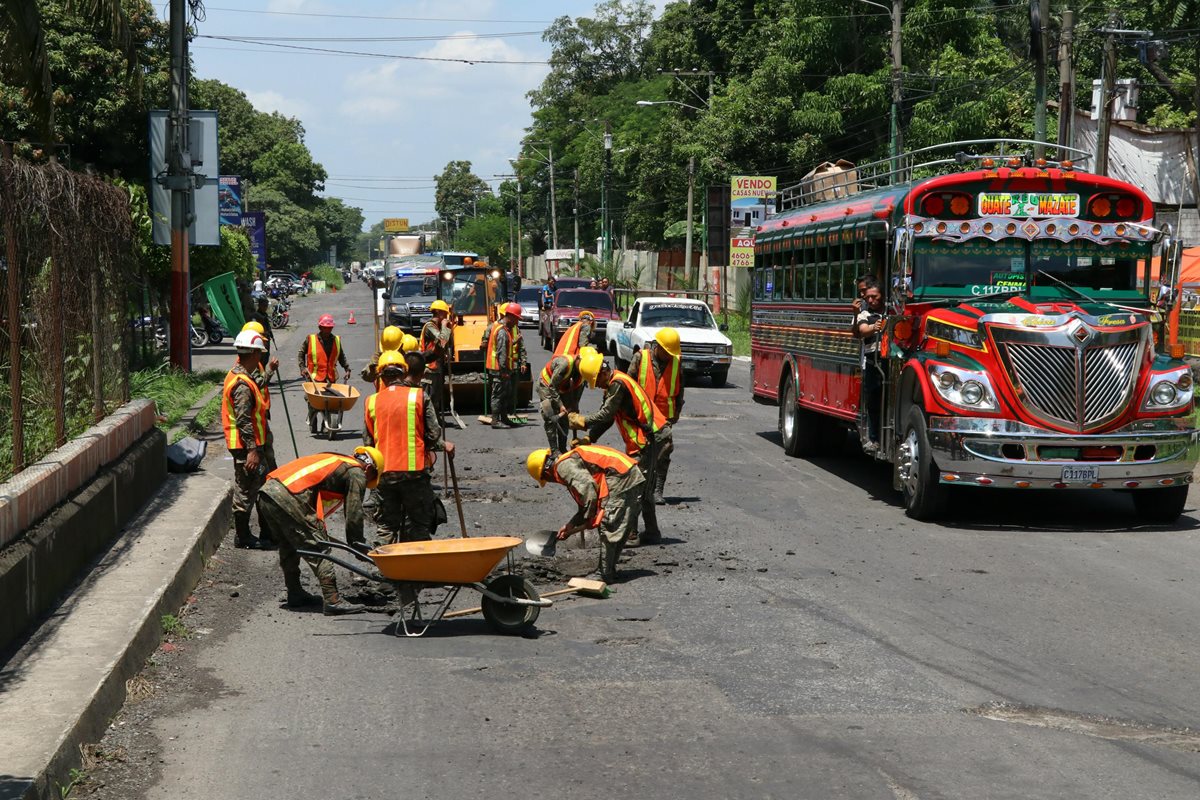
(659, 371)
(869, 326)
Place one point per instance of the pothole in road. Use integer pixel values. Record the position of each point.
(1183, 739)
(621, 641)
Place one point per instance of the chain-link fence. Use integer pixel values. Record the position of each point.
(67, 261)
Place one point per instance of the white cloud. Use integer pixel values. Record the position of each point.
(270, 100)
(291, 5)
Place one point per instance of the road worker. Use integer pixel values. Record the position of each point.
(267, 368)
(295, 502)
(485, 342)
(577, 336)
(642, 426)
(390, 339)
(559, 388)
(400, 420)
(247, 431)
(435, 344)
(659, 371)
(503, 366)
(522, 362)
(319, 357)
(607, 487)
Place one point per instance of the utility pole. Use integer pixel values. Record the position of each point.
(897, 86)
(1108, 79)
(1039, 11)
(687, 246)
(520, 241)
(575, 211)
(553, 202)
(179, 182)
(1066, 94)
(512, 257)
(604, 191)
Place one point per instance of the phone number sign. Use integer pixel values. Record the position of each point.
(741, 252)
(1021, 205)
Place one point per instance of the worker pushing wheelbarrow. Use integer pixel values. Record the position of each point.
(320, 355)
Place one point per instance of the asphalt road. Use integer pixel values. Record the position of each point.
(796, 636)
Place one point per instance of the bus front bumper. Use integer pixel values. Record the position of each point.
(1148, 454)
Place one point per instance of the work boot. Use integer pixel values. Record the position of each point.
(650, 537)
(242, 537)
(343, 607)
(299, 598)
(609, 554)
(660, 482)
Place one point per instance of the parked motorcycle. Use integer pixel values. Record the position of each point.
(279, 316)
(214, 329)
(199, 336)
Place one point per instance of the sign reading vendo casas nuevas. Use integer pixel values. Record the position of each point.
(1028, 204)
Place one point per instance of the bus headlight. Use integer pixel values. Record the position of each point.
(1169, 391)
(962, 388)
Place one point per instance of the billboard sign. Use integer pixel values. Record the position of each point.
(741, 251)
(229, 200)
(395, 225)
(751, 200)
(563, 254)
(202, 139)
(255, 225)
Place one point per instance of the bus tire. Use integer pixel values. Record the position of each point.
(924, 494)
(1160, 506)
(799, 428)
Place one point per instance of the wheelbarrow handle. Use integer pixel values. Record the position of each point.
(372, 575)
(349, 548)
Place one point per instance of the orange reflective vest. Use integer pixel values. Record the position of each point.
(493, 361)
(647, 418)
(395, 418)
(308, 471)
(667, 387)
(321, 365)
(233, 437)
(569, 386)
(569, 344)
(601, 461)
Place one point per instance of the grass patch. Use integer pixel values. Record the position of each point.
(331, 275)
(738, 333)
(172, 391)
(173, 627)
(205, 418)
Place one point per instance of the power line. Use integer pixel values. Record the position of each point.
(379, 17)
(447, 37)
(389, 56)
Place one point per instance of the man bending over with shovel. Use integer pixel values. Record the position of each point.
(295, 501)
(606, 485)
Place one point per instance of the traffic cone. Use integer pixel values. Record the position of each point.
(352, 321)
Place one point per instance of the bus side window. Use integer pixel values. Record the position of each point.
(758, 283)
(822, 272)
(777, 291)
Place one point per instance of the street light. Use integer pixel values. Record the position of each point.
(894, 12)
(669, 103)
(553, 201)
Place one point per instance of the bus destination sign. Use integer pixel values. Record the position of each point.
(1021, 205)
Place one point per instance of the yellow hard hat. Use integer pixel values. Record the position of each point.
(668, 338)
(535, 463)
(587, 350)
(391, 338)
(589, 366)
(390, 358)
(376, 459)
(439, 305)
(254, 326)
(409, 344)
(585, 314)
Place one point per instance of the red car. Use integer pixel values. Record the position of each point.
(565, 312)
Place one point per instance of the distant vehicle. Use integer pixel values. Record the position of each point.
(455, 258)
(568, 303)
(409, 299)
(560, 283)
(528, 298)
(706, 351)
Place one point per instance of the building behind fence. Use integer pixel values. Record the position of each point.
(67, 246)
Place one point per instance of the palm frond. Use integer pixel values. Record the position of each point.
(23, 60)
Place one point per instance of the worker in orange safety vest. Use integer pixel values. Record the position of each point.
(658, 369)
(244, 419)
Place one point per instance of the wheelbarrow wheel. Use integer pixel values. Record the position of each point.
(507, 617)
(313, 425)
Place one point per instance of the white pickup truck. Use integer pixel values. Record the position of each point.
(705, 350)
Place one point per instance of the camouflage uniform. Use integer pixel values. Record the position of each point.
(292, 520)
(617, 399)
(667, 447)
(407, 509)
(503, 381)
(435, 344)
(562, 369)
(245, 483)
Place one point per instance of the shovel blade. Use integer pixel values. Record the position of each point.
(542, 543)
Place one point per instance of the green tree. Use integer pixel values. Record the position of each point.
(458, 191)
(233, 255)
(293, 239)
(289, 168)
(245, 133)
(487, 235)
(340, 226)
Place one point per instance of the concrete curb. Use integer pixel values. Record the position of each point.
(60, 691)
(185, 422)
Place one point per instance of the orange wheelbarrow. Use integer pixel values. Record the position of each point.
(329, 402)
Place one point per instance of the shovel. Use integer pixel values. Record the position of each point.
(580, 586)
(462, 523)
(542, 543)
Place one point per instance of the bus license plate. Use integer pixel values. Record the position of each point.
(1089, 473)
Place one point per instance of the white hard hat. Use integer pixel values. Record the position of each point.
(250, 340)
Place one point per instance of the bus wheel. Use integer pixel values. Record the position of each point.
(1162, 506)
(924, 495)
(798, 427)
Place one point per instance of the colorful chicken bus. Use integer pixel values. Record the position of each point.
(1019, 348)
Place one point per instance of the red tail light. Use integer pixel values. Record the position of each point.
(1109, 207)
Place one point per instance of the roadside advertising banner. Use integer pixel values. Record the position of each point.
(751, 200)
(255, 225)
(395, 225)
(229, 200)
(741, 251)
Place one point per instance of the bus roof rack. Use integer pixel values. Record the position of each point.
(969, 154)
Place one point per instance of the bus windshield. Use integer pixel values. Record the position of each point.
(981, 267)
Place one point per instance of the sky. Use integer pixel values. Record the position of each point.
(383, 127)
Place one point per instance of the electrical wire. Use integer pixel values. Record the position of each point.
(386, 56)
